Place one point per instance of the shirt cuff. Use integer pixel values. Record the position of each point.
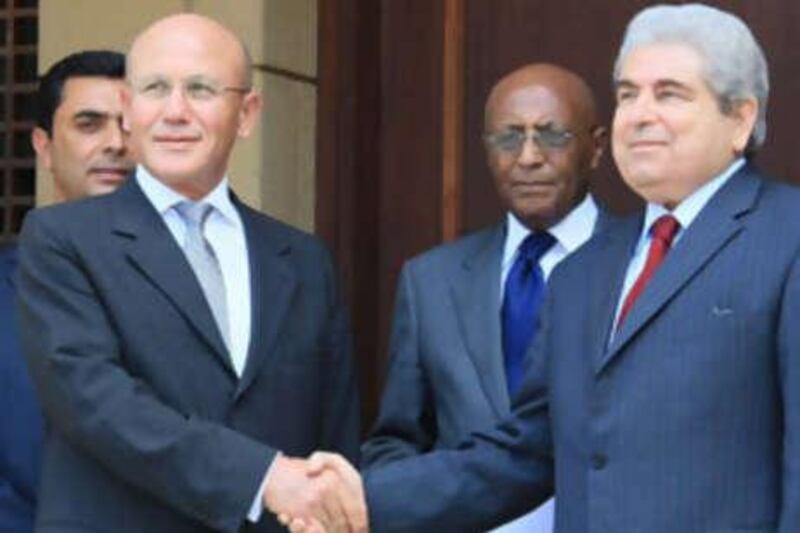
(257, 507)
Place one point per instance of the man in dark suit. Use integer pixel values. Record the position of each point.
(79, 140)
(666, 374)
(452, 365)
(179, 340)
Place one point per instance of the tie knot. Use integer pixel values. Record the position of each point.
(536, 245)
(665, 228)
(193, 213)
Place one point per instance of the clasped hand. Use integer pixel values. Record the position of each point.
(323, 493)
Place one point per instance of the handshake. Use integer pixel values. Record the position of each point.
(323, 493)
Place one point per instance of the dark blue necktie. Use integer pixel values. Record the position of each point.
(524, 292)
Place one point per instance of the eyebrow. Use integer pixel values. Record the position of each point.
(546, 125)
(660, 84)
(90, 114)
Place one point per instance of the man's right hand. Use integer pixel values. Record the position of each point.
(324, 493)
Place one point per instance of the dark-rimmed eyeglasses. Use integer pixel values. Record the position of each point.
(512, 140)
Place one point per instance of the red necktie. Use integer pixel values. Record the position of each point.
(662, 231)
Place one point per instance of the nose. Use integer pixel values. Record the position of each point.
(177, 106)
(530, 155)
(641, 110)
(115, 141)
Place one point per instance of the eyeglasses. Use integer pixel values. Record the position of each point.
(512, 140)
(194, 89)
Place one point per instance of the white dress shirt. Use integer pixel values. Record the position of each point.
(224, 232)
(570, 233)
(685, 213)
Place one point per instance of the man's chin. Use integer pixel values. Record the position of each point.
(535, 217)
(105, 183)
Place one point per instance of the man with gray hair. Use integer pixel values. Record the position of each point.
(665, 380)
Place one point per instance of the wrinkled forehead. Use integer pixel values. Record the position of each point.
(530, 105)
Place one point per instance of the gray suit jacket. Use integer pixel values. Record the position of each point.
(446, 377)
(689, 420)
(149, 427)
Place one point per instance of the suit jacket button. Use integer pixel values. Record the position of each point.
(599, 461)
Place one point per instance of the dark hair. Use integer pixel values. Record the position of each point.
(101, 63)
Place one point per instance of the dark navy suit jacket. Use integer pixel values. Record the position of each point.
(20, 418)
(149, 426)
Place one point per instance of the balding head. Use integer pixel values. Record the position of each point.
(190, 96)
(542, 141)
(188, 27)
(567, 86)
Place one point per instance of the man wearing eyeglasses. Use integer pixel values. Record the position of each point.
(180, 341)
(467, 311)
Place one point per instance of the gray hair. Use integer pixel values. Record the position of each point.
(734, 64)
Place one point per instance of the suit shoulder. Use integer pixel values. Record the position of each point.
(786, 195)
(278, 235)
(615, 227)
(456, 251)
(76, 217)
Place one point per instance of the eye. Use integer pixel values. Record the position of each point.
(507, 140)
(156, 89)
(625, 94)
(200, 90)
(671, 93)
(88, 125)
(553, 137)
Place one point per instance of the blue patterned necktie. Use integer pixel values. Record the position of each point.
(524, 292)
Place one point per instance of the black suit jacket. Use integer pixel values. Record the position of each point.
(151, 428)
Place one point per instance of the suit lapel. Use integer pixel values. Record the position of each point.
(153, 251)
(604, 221)
(272, 284)
(607, 275)
(716, 225)
(476, 295)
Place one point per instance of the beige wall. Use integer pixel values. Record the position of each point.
(274, 168)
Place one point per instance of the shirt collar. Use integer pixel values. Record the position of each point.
(164, 198)
(569, 232)
(690, 207)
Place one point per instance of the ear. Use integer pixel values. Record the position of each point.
(249, 113)
(744, 115)
(599, 142)
(41, 145)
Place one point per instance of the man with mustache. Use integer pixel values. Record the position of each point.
(180, 341)
(664, 388)
(78, 135)
(466, 311)
(79, 140)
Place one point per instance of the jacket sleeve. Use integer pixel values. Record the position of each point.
(341, 416)
(406, 424)
(490, 478)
